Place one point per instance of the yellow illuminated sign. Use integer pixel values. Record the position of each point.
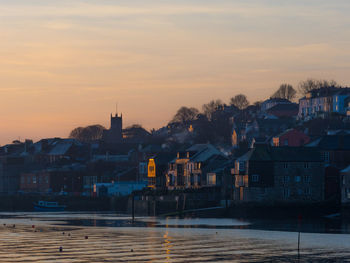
(151, 168)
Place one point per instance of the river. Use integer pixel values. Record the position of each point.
(106, 237)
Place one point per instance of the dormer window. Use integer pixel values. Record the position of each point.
(241, 166)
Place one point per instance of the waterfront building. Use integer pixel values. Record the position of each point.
(279, 174)
(187, 170)
(157, 168)
(345, 185)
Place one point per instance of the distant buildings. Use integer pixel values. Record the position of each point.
(258, 155)
(268, 104)
(284, 110)
(324, 101)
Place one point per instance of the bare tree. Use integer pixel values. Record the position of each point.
(185, 114)
(258, 103)
(240, 101)
(87, 134)
(308, 85)
(285, 91)
(211, 107)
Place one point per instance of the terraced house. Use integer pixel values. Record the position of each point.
(190, 169)
(279, 174)
(325, 101)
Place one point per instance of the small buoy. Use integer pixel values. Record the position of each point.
(4, 224)
(61, 249)
(131, 250)
(69, 234)
(14, 226)
(33, 226)
(86, 237)
(35, 231)
(62, 233)
(216, 232)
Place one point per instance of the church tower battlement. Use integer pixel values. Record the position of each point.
(115, 132)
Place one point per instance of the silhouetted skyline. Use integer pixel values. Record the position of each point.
(65, 63)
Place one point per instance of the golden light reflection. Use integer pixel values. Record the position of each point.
(167, 245)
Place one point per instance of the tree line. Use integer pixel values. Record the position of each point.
(240, 101)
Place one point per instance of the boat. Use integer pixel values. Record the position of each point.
(45, 206)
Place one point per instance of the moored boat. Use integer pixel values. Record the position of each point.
(48, 206)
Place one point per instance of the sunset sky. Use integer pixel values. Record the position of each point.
(66, 63)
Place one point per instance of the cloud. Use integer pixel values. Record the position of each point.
(73, 60)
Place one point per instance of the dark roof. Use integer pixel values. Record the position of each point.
(164, 158)
(277, 100)
(217, 165)
(282, 154)
(284, 107)
(289, 130)
(334, 142)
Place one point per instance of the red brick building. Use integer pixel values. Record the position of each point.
(291, 137)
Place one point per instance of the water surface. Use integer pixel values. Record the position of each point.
(86, 237)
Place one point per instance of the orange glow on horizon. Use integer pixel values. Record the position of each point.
(65, 64)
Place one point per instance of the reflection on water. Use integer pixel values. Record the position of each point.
(113, 238)
(167, 244)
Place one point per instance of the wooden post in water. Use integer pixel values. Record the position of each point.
(299, 226)
(133, 207)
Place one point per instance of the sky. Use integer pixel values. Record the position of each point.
(66, 63)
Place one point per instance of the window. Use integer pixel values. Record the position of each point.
(297, 179)
(211, 179)
(286, 178)
(192, 179)
(94, 179)
(325, 156)
(285, 165)
(306, 165)
(286, 142)
(22, 179)
(307, 178)
(241, 166)
(308, 191)
(46, 179)
(286, 192)
(300, 191)
(29, 179)
(34, 179)
(255, 178)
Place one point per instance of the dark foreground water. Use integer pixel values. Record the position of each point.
(37, 237)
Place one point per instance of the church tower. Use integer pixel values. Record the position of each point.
(115, 132)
